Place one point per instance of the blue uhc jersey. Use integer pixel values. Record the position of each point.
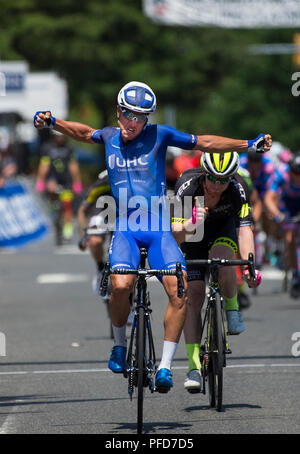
(137, 168)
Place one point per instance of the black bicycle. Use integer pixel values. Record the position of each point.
(55, 204)
(214, 342)
(141, 360)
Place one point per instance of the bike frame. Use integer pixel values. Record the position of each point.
(141, 365)
(213, 289)
(142, 308)
(214, 341)
(214, 346)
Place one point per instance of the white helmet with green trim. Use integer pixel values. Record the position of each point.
(220, 164)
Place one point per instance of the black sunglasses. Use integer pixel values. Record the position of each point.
(218, 180)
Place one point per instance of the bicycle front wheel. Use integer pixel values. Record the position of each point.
(140, 348)
(216, 355)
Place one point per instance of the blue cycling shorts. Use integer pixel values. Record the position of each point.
(163, 251)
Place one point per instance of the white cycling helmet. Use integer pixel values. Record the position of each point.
(220, 165)
(138, 97)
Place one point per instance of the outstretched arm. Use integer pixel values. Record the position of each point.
(77, 131)
(218, 144)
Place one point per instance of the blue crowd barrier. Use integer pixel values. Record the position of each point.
(21, 219)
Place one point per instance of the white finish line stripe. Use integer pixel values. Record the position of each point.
(84, 371)
(62, 371)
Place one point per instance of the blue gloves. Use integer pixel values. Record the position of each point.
(49, 123)
(257, 145)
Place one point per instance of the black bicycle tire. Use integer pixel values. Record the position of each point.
(285, 277)
(216, 355)
(219, 356)
(140, 348)
(58, 232)
(210, 365)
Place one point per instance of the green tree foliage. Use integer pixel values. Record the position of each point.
(207, 74)
(256, 95)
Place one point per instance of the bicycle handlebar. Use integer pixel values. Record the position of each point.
(224, 262)
(143, 272)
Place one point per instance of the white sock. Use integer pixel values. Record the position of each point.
(169, 350)
(120, 335)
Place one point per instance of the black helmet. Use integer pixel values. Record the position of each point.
(294, 163)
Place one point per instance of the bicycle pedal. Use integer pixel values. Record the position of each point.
(194, 391)
(228, 351)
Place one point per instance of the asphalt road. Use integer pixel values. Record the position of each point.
(54, 377)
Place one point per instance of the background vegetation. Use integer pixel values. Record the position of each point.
(206, 74)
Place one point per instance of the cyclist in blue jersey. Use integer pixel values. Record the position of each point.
(135, 159)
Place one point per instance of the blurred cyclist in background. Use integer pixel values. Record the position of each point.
(58, 176)
(280, 155)
(262, 170)
(282, 201)
(188, 159)
(256, 210)
(8, 163)
(91, 223)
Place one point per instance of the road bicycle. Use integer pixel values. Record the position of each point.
(55, 204)
(141, 360)
(214, 342)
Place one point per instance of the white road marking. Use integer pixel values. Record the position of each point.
(9, 424)
(69, 249)
(84, 371)
(59, 371)
(61, 278)
(8, 251)
(272, 274)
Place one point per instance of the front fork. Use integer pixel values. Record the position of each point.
(205, 348)
(150, 367)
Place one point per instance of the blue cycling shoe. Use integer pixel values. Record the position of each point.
(163, 380)
(235, 322)
(117, 360)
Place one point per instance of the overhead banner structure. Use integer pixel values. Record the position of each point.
(21, 219)
(225, 13)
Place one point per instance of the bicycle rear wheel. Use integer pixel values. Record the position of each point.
(140, 349)
(216, 355)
